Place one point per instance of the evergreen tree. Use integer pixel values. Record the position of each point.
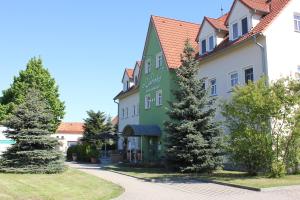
(194, 139)
(35, 76)
(94, 125)
(30, 127)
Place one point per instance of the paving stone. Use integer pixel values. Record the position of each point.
(136, 189)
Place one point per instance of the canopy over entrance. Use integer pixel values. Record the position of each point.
(142, 130)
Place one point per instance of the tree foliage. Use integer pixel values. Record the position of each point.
(262, 123)
(30, 127)
(194, 140)
(96, 124)
(34, 76)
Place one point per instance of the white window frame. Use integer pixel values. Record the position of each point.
(134, 111)
(296, 22)
(123, 113)
(244, 70)
(242, 25)
(210, 48)
(159, 60)
(232, 30)
(147, 66)
(213, 88)
(147, 102)
(203, 39)
(159, 98)
(231, 79)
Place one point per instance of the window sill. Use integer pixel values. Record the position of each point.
(213, 95)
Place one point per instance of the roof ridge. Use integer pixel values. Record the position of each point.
(175, 19)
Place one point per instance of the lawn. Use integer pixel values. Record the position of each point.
(227, 177)
(71, 185)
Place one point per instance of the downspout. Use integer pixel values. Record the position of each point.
(263, 58)
(118, 119)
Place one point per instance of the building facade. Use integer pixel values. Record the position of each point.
(255, 38)
(68, 134)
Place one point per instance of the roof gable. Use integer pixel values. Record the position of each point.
(127, 72)
(276, 6)
(172, 35)
(256, 5)
(218, 24)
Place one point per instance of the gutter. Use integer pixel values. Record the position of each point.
(263, 57)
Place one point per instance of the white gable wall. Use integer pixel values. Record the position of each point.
(128, 102)
(136, 72)
(239, 12)
(238, 59)
(206, 31)
(283, 43)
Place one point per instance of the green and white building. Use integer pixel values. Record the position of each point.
(255, 38)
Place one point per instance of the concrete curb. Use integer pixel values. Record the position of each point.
(209, 181)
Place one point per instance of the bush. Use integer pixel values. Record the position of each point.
(71, 150)
(84, 152)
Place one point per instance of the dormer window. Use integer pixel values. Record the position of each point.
(235, 31)
(127, 85)
(211, 43)
(147, 66)
(136, 80)
(244, 26)
(203, 46)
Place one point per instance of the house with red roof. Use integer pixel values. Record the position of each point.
(69, 134)
(255, 38)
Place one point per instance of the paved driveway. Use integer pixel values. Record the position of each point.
(136, 189)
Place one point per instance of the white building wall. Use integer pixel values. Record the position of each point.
(4, 141)
(239, 12)
(66, 140)
(128, 102)
(236, 59)
(283, 43)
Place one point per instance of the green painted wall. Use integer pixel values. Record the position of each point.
(157, 79)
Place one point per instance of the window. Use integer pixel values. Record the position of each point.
(147, 102)
(136, 80)
(147, 66)
(234, 79)
(159, 98)
(249, 75)
(159, 60)
(134, 110)
(126, 112)
(211, 43)
(123, 113)
(127, 85)
(244, 26)
(297, 22)
(213, 87)
(235, 31)
(203, 46)
(62, 137)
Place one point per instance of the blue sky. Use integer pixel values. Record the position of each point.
(86, 44)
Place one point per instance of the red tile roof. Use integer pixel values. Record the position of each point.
(115, 120)
(70, 127)
(129, 72)
(172, 35)
(257, 5)
(276, 6)
(218, 23)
